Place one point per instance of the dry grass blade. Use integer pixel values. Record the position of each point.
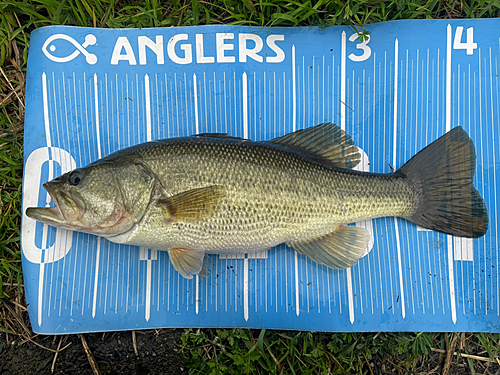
(8, 97)
(20, 306)
(41, 346)
(134, 341)
(30, 339)
(17, 62)
(462, 341)
(433, 371)
(19, 320)
(285, 336)
(207, 353)
(278, 364)
(476, 357)
(449, 354)
(27, 340)
(368, 364)
(12, 87)
(55, 355)
(90, 356)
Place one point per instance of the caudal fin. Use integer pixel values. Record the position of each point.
(442, 174)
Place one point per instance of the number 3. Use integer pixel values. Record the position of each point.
(367, 51)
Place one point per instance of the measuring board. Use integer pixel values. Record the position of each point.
(91, 92)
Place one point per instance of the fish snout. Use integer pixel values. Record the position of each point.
(69, 204)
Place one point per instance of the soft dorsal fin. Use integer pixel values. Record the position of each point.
(340, 249)
(327, 142)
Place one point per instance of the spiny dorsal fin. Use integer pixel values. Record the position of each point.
(217, 135)
(326, 142)
(340, 249)
(187, 262)
(195, 204)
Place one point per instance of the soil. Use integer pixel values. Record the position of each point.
(114, 353)
(158, 353)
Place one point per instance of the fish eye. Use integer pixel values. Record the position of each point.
(75, 177)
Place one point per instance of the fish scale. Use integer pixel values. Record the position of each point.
(271, 195)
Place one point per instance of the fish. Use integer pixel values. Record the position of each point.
(217, 194)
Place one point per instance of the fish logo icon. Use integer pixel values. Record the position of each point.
(90, 40)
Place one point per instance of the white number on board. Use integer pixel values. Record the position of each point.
(469, 44)
(367, 51)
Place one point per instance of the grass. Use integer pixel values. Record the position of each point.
(233, 351)
(238, 351)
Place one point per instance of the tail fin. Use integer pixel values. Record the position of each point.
(442, 173)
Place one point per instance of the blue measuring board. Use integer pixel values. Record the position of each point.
(91, 92)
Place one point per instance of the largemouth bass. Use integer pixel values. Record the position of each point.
(212, 193)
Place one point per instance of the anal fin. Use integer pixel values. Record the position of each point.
(205, 269)
(340, 249)
(187, 262)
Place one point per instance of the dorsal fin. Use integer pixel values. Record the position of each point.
(326, 142)
(217, 135)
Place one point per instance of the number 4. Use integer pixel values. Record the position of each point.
(469, 45)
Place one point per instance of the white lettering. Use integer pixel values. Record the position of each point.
(157, 48)
(188, 53)
(129, 56)
(200, 58)
(221, 47)
(253, 52)
(271, 42)
(469, 44)
(250, 47)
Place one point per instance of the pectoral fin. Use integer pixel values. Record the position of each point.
(340, 249)
(188, 262)
(195, 204)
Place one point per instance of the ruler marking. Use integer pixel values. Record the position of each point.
(245, 106)
(451, 271)
(148, 107)
(343, 82)
(294, 92)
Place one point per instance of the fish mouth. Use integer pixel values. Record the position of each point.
(49, 215)
(66, 213)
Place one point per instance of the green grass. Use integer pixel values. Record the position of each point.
(220, 351)
(238, 351)
(11, 164)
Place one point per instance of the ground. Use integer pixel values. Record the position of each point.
(114, 353)
(159, 352)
